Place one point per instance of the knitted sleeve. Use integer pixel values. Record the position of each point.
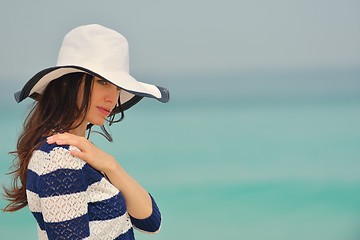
(150, 224)
(62, 191)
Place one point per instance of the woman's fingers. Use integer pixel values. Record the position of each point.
(94, 156)
(73, 140)
(68, 139)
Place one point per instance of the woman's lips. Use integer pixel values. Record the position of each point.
(104, 111)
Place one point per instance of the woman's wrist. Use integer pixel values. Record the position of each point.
(111, 167)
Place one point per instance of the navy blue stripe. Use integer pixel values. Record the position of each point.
(129, 235)
(107, 209)
(40, 220)
(91, 175)
(45, 147)
(77, 228)
(61, 182)
(32, 180)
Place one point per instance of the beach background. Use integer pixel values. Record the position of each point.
(261, 137)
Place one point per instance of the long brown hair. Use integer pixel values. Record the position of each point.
(57, 110)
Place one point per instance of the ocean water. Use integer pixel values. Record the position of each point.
(255, 168)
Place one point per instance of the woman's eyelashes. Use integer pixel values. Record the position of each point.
(102, 81)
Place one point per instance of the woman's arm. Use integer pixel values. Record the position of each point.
(138, 201)
(60, 185)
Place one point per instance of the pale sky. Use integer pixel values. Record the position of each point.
(190, 35)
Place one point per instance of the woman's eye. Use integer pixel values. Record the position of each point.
(106, 82)
(102, 81)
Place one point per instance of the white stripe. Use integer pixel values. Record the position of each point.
(64, 207)
(110, 229)
(33, 201)
(36, 162)
(41, 234)
(101, 190)
(58, 158)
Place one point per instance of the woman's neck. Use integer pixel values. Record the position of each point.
(80, 130)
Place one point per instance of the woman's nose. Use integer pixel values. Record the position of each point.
(113, 94)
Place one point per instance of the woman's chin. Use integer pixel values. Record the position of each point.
(98, 122)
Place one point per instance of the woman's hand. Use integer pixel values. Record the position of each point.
(91, 154)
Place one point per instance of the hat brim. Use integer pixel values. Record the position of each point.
(133, 92)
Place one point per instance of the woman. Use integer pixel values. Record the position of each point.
(74, 189)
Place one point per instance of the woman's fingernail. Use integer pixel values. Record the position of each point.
(49, 139)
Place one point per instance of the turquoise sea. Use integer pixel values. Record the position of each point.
(252, 156)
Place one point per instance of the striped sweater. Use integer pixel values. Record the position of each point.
(71, 200)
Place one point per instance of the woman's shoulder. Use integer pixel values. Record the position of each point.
(47, 148)
(51, 157)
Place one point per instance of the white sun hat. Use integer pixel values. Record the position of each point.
(98, 51)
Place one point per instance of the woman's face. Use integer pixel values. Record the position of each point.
(104, 96)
